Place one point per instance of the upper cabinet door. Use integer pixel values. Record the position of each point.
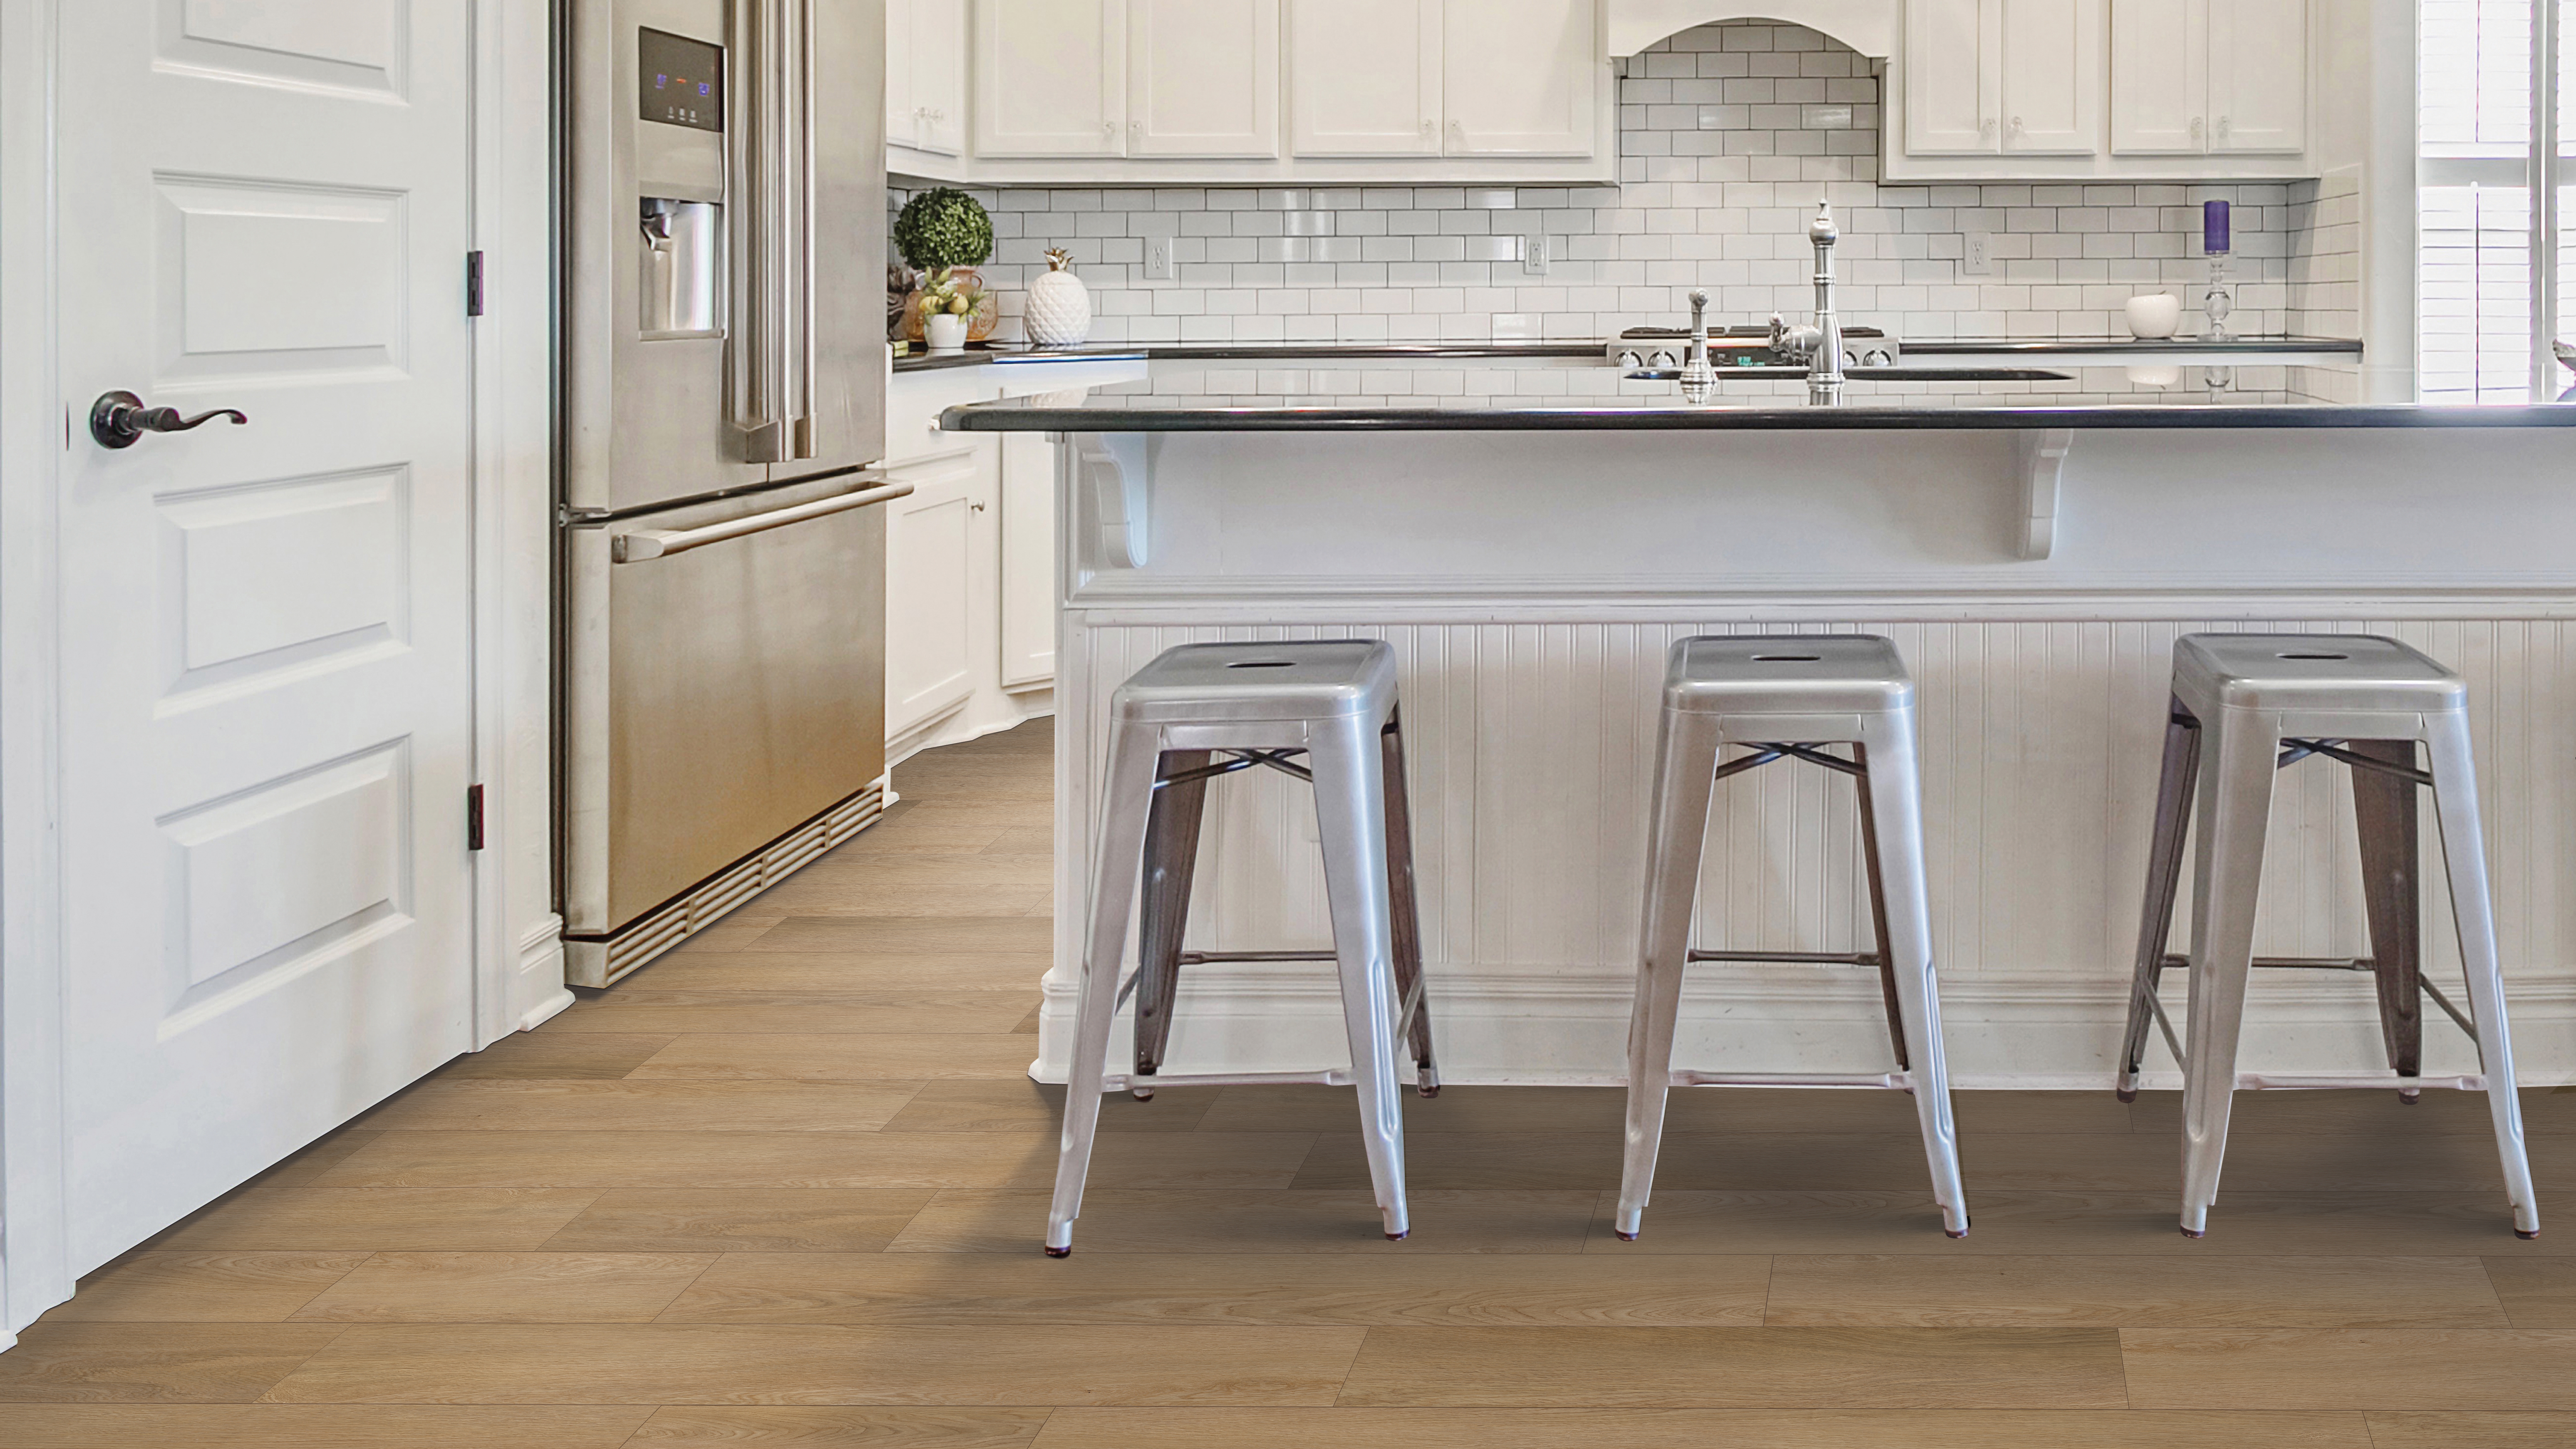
(938, 74)
(1050, 77)
(1950, 80)
(1518, 77)
(902, 112)
(2258, 75)
(2052, 76)
(1203, 77)
(2159, 77)
(1364, 77)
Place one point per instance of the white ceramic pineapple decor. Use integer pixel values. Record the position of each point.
(1059, 311)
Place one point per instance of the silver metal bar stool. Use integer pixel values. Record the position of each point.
(2256, 704)
(1259, 704)
(1785, 697)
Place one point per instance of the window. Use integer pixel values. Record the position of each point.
(2494, 271)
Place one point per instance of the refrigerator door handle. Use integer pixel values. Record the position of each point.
(808, 202)
(779, 376)
(652, 543)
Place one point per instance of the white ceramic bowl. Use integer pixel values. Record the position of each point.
(2154, 316)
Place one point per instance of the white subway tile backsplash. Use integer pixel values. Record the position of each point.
(1729, 134)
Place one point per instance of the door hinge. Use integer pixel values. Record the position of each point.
(473, 284)
(473, 817)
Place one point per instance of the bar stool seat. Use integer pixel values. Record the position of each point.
(2255, 704)
(1263, 705)
(1787, 697)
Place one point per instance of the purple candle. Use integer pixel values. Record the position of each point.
(2213, 228)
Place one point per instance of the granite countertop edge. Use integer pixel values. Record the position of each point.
(1016, 415)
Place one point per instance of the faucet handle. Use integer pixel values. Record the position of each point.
(1699, 299)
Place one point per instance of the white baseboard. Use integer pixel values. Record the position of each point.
(541, 971)
(1568, 1026)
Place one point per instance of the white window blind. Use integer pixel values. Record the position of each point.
(2493, 268)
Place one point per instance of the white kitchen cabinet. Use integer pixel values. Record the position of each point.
(971, 594)
(1267, 93)
(2051, 76)
(2208, 77)
(939, 75)
(1028, 585)
(1519, 77)
(926, 76)
(903, 114)
(2159, 77)
(1364, 77)
(2001, 77)
(929, 670)
(1050, 78)
(2258, 75)
(2108, 90)
(1951, 50)
(1203, 77)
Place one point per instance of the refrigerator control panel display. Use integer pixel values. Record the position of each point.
(680, 81)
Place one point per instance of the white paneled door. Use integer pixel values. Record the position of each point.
(265, 643)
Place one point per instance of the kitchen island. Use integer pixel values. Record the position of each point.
(1532, 533)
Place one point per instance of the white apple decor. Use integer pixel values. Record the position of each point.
(1059, 309)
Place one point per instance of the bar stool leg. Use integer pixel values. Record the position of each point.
(1171, 861)
(2235, 807)
(2383, 813)
(1406, 905)
(2174, 785)
(1127, 799)
(2455, 803)
(1895, 802)
(1685, 776)
(1349, 794)
(1892, 999)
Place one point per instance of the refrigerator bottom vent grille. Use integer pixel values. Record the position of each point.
(602, 963)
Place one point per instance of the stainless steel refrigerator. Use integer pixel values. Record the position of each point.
(721, 710)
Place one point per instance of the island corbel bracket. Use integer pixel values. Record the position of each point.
(1111, 469)
(2039, 458)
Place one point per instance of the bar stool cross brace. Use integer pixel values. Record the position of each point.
(2394, 962)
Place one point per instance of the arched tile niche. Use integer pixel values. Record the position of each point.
(1867, 26)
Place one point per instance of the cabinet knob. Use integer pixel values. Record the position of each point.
(1986, 127)
(2225, 123)
(2195, 128)
(974, 507)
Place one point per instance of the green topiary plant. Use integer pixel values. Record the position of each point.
(942, 228)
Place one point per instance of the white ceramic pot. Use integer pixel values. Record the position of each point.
(2154, 316)
(944, 331)
(1059, 307)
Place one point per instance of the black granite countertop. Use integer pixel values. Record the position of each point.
(2324, 348)
(1589, 399)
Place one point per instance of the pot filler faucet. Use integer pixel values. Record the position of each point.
(1825, 368)
(1821, 344)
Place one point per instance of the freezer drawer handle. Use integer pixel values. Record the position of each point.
(649, 543)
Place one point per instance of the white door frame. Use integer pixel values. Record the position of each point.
(518, 957)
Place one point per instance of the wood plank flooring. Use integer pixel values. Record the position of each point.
(785, 1187)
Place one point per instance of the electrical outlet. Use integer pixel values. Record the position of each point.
(1534, 256)
(1981, 256)
(1158, 259)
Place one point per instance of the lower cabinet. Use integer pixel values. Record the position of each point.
(970, 564)
(1028, 561)
(929, 580)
